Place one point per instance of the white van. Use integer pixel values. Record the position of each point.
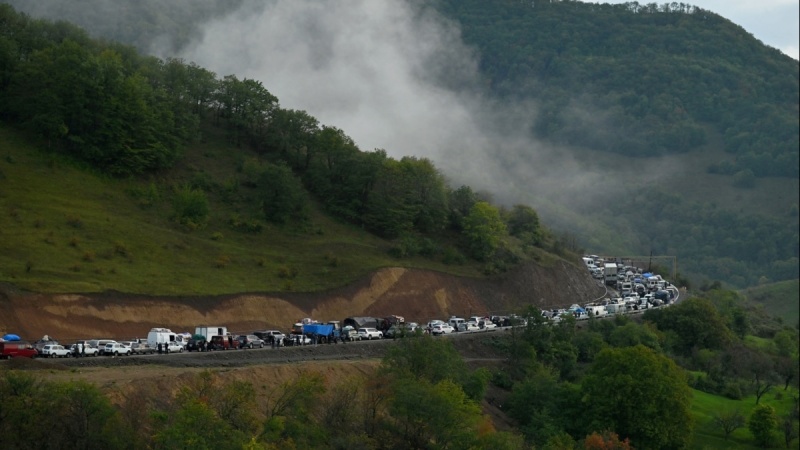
(455, 322)
(596, 311)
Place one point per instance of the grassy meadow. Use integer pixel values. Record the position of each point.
(67, 229)
(706, 406)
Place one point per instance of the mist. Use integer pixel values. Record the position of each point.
(394, 76)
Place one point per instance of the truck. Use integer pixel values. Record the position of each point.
(160, 337)
(610, 273)
(209, 332)
(319, 333)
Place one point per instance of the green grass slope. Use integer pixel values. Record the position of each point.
(706, 406)
(66, 229)
(779, 299)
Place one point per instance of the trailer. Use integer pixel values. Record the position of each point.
(610, 273)
(209, 332)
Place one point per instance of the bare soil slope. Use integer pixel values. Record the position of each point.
(415, 294)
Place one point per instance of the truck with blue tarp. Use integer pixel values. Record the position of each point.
(319, 333)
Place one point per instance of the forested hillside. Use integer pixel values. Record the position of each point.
(204, 152)
(662, 80)
(690, 121)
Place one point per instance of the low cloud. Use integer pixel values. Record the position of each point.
(396, 76)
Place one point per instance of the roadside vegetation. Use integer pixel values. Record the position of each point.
(698, 374)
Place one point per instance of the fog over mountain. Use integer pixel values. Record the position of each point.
(392, 75)
(396, 76)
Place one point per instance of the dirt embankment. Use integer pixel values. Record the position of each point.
(417, 295)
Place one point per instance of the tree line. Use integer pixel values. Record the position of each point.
(623, 60)
(125, 114)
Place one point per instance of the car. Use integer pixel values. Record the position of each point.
(441, 329)
(142, 348)
(370, 333)
(100, 344)
(55, 351)
(487, 325)
(468, 326)
(196, 344)
(83, 349)
(250, 341)
(116, 349)
(297, 339)
(270, 336)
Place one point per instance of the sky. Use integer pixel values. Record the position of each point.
(773, 22)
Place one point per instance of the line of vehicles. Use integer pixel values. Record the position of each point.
(629, 288)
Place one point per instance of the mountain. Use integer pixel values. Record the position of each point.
(671, 131)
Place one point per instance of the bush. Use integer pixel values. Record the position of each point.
(451, 256)
(191, 207)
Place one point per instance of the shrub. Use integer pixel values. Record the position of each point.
(74, 222)
(121, 249)
(451, 256)
(216, 236)
(88, 256)
(222, 261)
(190, 206)
(287, 272)
(332, 259)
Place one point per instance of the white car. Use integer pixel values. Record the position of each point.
(55, 351)
(469, 326)
(441, 328)
(88, 350)
(370, 333)
(116, 349)
(487, 324)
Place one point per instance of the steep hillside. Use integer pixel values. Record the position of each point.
(418, 295)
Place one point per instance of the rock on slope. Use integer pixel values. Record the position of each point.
(418, 295)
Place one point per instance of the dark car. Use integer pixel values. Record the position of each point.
(196, 345)
(250, 341)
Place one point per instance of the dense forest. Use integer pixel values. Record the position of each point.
(704, 373)
(668, 79)
(126, 115)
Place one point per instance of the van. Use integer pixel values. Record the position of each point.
(17, 349)
(223, 342)
(455, 322)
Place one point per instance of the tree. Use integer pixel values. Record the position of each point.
(762, 424)
(523, 222)
(729, 421)
(640, 394)
(282, 195)
(483, 230)
(438, 415)
(543, 406)
(788, 426)
(694, 323)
